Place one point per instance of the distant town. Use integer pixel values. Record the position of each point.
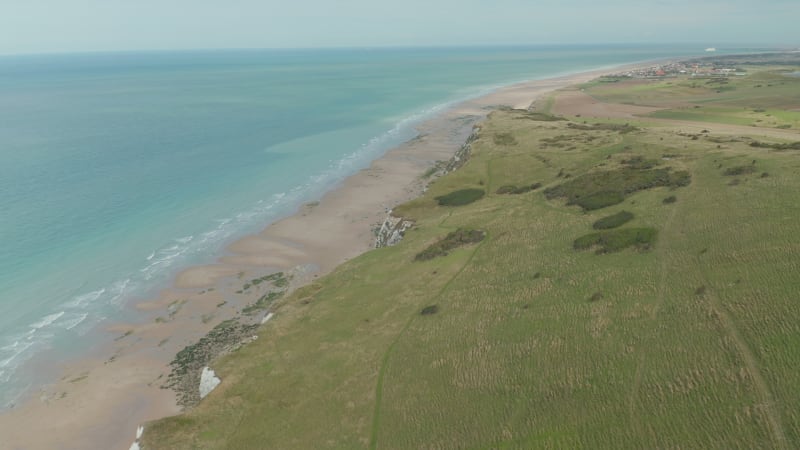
(698, 68)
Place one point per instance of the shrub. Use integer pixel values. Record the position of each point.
(739, 170)
(639, 162)
(679, 179)
(670, 199)
(540, 117)
(504, 139)
(507, 189)
(521, 190)
(775, 146)
(622, 129)
(596, 296)
(700, 291)
(613, 220)
(428, 310)
(599, 200)
(458, 238)
(511, 189)
(599, 189)
(616, 240)
(460, 197)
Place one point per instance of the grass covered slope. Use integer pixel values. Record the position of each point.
(519, 340)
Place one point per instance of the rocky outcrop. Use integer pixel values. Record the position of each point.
(190, 364)
(462, 155)
(391, 231)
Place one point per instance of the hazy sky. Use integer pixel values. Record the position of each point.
(33, 26)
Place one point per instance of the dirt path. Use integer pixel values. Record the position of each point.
(767, 400)
(576, 102)
(373, 440)
(634, 418)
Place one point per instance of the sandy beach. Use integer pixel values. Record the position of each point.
(101, 400)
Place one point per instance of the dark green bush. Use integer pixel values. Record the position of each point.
(540, 117)
(458, 238)
(521, 190)
(700, 291)
(613, 221)
(599, 189)
(507, 189)
(670, 199)
(639, 162)
(504, 139)
(616, 240)
(460, 197)
(511, 189)
(739, 170)
(776, 146)
(622, 129)
(428, 310)
(599, 200)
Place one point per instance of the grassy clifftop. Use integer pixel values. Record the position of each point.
(525, 339)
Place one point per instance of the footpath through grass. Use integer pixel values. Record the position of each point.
(688, 338)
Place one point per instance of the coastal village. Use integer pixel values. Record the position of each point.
(699, 68)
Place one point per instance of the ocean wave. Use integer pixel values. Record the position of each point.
(74, 322)
(11, 352)
(118, 289)
(185, 239)
(87, 308)
(82, 300)
(47, 320)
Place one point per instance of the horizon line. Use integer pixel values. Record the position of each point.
(701, 45)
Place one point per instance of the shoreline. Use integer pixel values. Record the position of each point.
(100, 400)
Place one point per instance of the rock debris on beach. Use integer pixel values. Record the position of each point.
(392, 231)
(187, 367)
(139, 432)
(208, 381)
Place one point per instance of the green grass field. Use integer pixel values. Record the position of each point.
(765, 98)
(692, 341)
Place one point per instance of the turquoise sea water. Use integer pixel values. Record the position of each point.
(117, 170)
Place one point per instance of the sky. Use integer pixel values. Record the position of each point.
(53, 26)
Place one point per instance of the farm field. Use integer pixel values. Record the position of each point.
(764, 98)
(620, 281)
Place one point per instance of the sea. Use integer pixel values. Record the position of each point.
(117, 170)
